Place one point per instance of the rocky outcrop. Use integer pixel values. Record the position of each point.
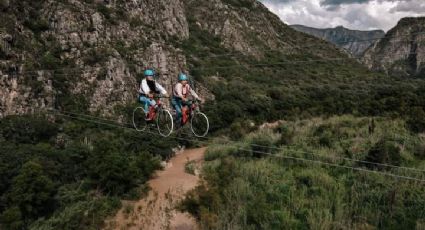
(355, 41)
(90, 54)
(100, 49)
(401, 52)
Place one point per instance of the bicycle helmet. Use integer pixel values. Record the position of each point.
(183, 77)
(149, 72)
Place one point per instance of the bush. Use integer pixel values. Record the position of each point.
(48, 61)
(286, 135)
(27, 129)
(12, 219)
(32, 191)
(112, 172)
(384, 152)
(263, 143)
(416, 120)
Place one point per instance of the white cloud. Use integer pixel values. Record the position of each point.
(353, 14)
(409, 6)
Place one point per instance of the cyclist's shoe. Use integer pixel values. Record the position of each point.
(148, 117)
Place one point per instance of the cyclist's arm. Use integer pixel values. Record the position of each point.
(193, 93)
(144, 88)
(178, 90)
(140, 88)
(161, 89)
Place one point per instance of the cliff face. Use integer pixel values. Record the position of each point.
(355, 41)
(95, 48)
(401, 52)
(90, 54)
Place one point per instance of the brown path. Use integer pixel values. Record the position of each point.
(156, 212)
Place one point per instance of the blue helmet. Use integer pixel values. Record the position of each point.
(183, 77)
(149, 72)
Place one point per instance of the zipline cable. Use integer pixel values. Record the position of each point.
(233, 142)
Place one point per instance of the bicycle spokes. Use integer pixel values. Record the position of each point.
(139, 119)
(200, 124)
(165, 122)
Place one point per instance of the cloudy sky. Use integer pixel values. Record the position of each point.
(353, 14)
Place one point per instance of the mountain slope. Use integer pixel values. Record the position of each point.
(355, 41)
(401, 52)
(93, 53)
(90, 55)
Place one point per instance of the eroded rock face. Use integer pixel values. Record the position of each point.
(107, 44)
(402, 51)
(239, 28)
(354, 41)
(93, 52)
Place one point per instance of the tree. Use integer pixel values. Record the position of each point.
(32, 192)
(12, 219)
(112, 172)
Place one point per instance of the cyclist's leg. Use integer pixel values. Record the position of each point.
(185, 107)
(177, 104)
(145, 102)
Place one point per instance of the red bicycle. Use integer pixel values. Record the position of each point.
(199, 123)
(158, 114)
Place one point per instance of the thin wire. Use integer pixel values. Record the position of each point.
(117, 125)
(341, 158)
(256, 145)
(237, 53)
(262, 146)
(336, 165)
(261, 152)
(272, 64)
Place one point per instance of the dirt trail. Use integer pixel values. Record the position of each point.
(156, 211)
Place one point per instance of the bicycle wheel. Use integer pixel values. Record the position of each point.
(199, 124)
(164, 122)
(139, 119)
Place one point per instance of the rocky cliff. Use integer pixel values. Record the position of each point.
(89, 54)
(402, 51)
(355, 41)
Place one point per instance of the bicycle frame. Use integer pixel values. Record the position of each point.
(187, 111)
(152, 110)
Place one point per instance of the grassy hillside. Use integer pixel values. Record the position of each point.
(244, 188)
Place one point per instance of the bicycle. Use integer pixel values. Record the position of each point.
(199, 123)
(157, 114)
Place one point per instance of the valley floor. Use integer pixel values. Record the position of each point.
(157, 210)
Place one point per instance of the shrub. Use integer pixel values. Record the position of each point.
(286, 135)
(112, 173)
(263, 143)
(48, 61)
(419, 150)
(190, 167)
(12, 219)
(384, 152)
(32, 191)
(416, 120)
(27, 129)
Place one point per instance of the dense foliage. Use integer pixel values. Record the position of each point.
(242, 190)
(278, 85)
(70, 175)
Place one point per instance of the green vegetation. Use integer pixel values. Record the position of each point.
(279, 85)
(66, 174)
(240, 3)
(70, 175)
(243, 191)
